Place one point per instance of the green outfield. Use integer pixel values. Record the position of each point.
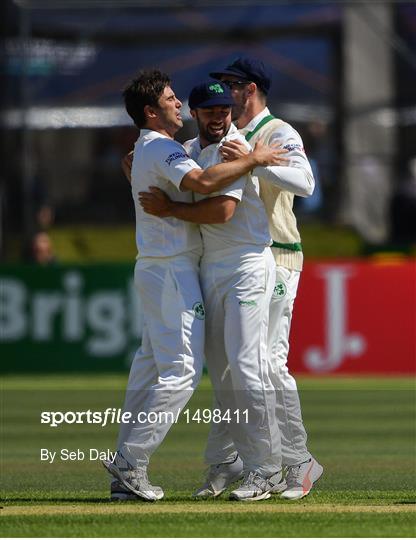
(361, 430)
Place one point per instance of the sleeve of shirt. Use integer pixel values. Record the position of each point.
(188, 145)
(297, 177)
(171, 160)
(235, 190)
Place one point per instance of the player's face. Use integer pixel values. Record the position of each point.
(239, 93)
(213, 123)
(169, 111)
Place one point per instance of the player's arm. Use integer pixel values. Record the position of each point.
(293, 179)
(292, 174)
(219, 176)
(297, 177)
(211, 210)
(126, 164)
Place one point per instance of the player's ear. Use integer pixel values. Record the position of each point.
(251, 89)
(149, 112)
(193, 113)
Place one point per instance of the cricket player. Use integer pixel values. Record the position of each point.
(166, 276)
(249, 82)
(237, 277)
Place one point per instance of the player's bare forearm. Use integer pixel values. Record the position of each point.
(208, 211)
(156, 202)
(222, 175)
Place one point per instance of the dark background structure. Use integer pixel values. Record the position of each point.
(344, 74)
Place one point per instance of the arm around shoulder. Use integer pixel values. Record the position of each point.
(219, 176)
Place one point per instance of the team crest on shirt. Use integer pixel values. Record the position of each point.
(279, 290)
(199, 310)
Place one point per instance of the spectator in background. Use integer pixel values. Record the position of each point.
(42, 249)
(38, 247)
(44, 213)
(45, 216)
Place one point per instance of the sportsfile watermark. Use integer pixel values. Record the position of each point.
(113, 415)
(376, 414)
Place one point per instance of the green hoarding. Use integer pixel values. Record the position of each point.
(68, 318)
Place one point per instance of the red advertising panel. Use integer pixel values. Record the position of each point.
(357, 317)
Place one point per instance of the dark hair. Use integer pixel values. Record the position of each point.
(145, 89)
(262, 94)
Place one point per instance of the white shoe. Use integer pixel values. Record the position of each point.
(219, 478)
(280, 487)
(135, 480)
(256, 487)
(300, 479)
(118, 492)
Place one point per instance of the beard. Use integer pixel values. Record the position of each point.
(206, 134)
(238, 109)
(236, 113)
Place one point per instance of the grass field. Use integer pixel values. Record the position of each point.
(361, 430)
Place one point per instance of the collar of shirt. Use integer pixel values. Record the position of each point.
(211, 148)
(151, 134)
(253, 123)
(193, 148)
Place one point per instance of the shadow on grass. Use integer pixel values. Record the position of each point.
(80, 500)
(58, 500)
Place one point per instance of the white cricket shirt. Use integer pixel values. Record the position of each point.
(295, 177)
(162, 162)
(249, 223)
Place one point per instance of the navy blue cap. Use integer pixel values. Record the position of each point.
(209, 94)
(247, 69)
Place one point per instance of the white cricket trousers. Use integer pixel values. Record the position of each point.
(220, 446)
(237, 286)
(288, 410)
(168, 366)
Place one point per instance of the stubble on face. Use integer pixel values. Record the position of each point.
(213, 126)
(239, 107)
(239, 97)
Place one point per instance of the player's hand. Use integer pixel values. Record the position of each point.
(126, 164)
(156, 203)
(231, 150)
(270, 155)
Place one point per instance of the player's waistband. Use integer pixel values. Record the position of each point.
(193, 256)
(231, 253)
